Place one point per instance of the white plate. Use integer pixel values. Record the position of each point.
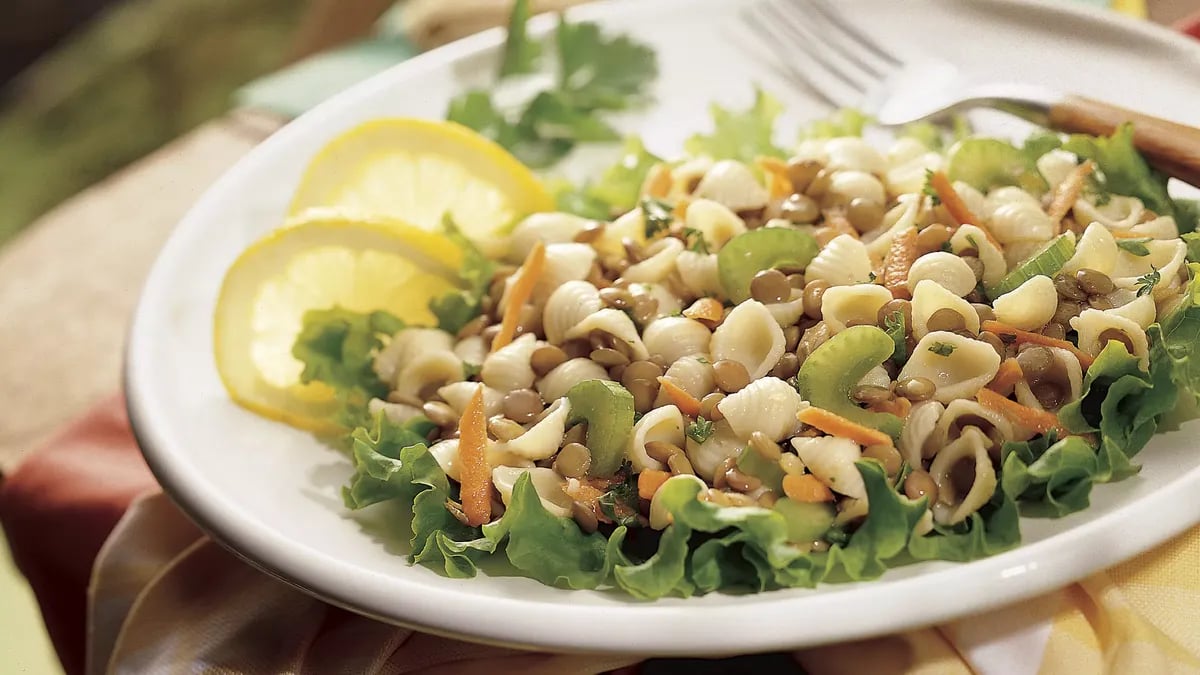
(272, 494)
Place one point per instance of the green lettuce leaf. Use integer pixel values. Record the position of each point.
(337, 347)
(851, 122)
(1051, 478)
(1193, 246)
(454, 309)
(1122, 401)
(1180, 333)
(741, 135)
(620, 185)
(992, 529)
(1125, 172)
(391, 462)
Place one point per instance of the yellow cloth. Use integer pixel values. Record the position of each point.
(165, 598)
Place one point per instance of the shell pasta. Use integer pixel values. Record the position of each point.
(748, 366)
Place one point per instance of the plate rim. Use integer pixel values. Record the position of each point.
(1015, 575)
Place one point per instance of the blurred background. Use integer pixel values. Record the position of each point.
(90, 86)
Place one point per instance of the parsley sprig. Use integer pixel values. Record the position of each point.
(1147, 282)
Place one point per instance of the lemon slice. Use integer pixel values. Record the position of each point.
(321, 259)
(420, 170)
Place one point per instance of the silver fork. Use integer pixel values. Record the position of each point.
(848, 68)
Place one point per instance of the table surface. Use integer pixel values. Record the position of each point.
(68, 284)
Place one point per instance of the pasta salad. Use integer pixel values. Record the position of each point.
(771, 368)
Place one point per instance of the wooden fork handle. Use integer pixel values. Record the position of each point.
(1170, 147)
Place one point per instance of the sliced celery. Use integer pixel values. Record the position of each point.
(752, 252)
(1047, 262)
(751, 463)
(607, 407)
(831, 372)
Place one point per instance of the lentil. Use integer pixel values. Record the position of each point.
(916, 388)
(642, 370)
(645, 308)
(1119, 336)
(1035, 362)
(644, 392)
(819, 185)
(730, 376)
(719, 497)
(996, 343)
(1100, 302)
(1068, 287)
(799, 209)
(791, 337)
(801, 172)
(522, 405)
(886, 455)
(609, 357)
(584, 517)
(504, 429)
(1066, 310)
(708, 407)
(920, 484)
(679, 464)
(725, 466)
(547, 358)
(767, 500)
(770, 287)
(788, 365)
(576, 434)
(869, 393)
(814, 292)
(1094, 282)
(985, 312)
(1056, 331)
(891, 307)
(864, 214)
(945, 319)
(573, 461)
(633, 252)
(1049, 394)
(766, 447)
(740, 481)
(661, 451)
(739, 499)
(618, 298)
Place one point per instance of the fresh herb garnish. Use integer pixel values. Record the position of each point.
(928, 189)
(700, 430)
(620, 502)
(657, 215)
(471, 370)
(871, 277)
(1135, 246)
(694, 240)
(941, 348)
(1148, 281)
(893, 325)
(596, 74)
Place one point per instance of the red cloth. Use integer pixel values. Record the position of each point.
(60, 504)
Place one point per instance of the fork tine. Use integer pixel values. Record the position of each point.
(787, 71)
(830, 35)
(835, 18)
(805, 39)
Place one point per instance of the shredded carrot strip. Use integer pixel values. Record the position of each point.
(956, 207)
(1068, 191)
(529, 273)
(836, 425)
(806, 488)
(658, 182)
(1030, 418)
(899, 260)
(778, 183)
(1023, 336)
(1006, 378)
(476, 475)
(899, 406)
(649, 481)
(688, 405)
